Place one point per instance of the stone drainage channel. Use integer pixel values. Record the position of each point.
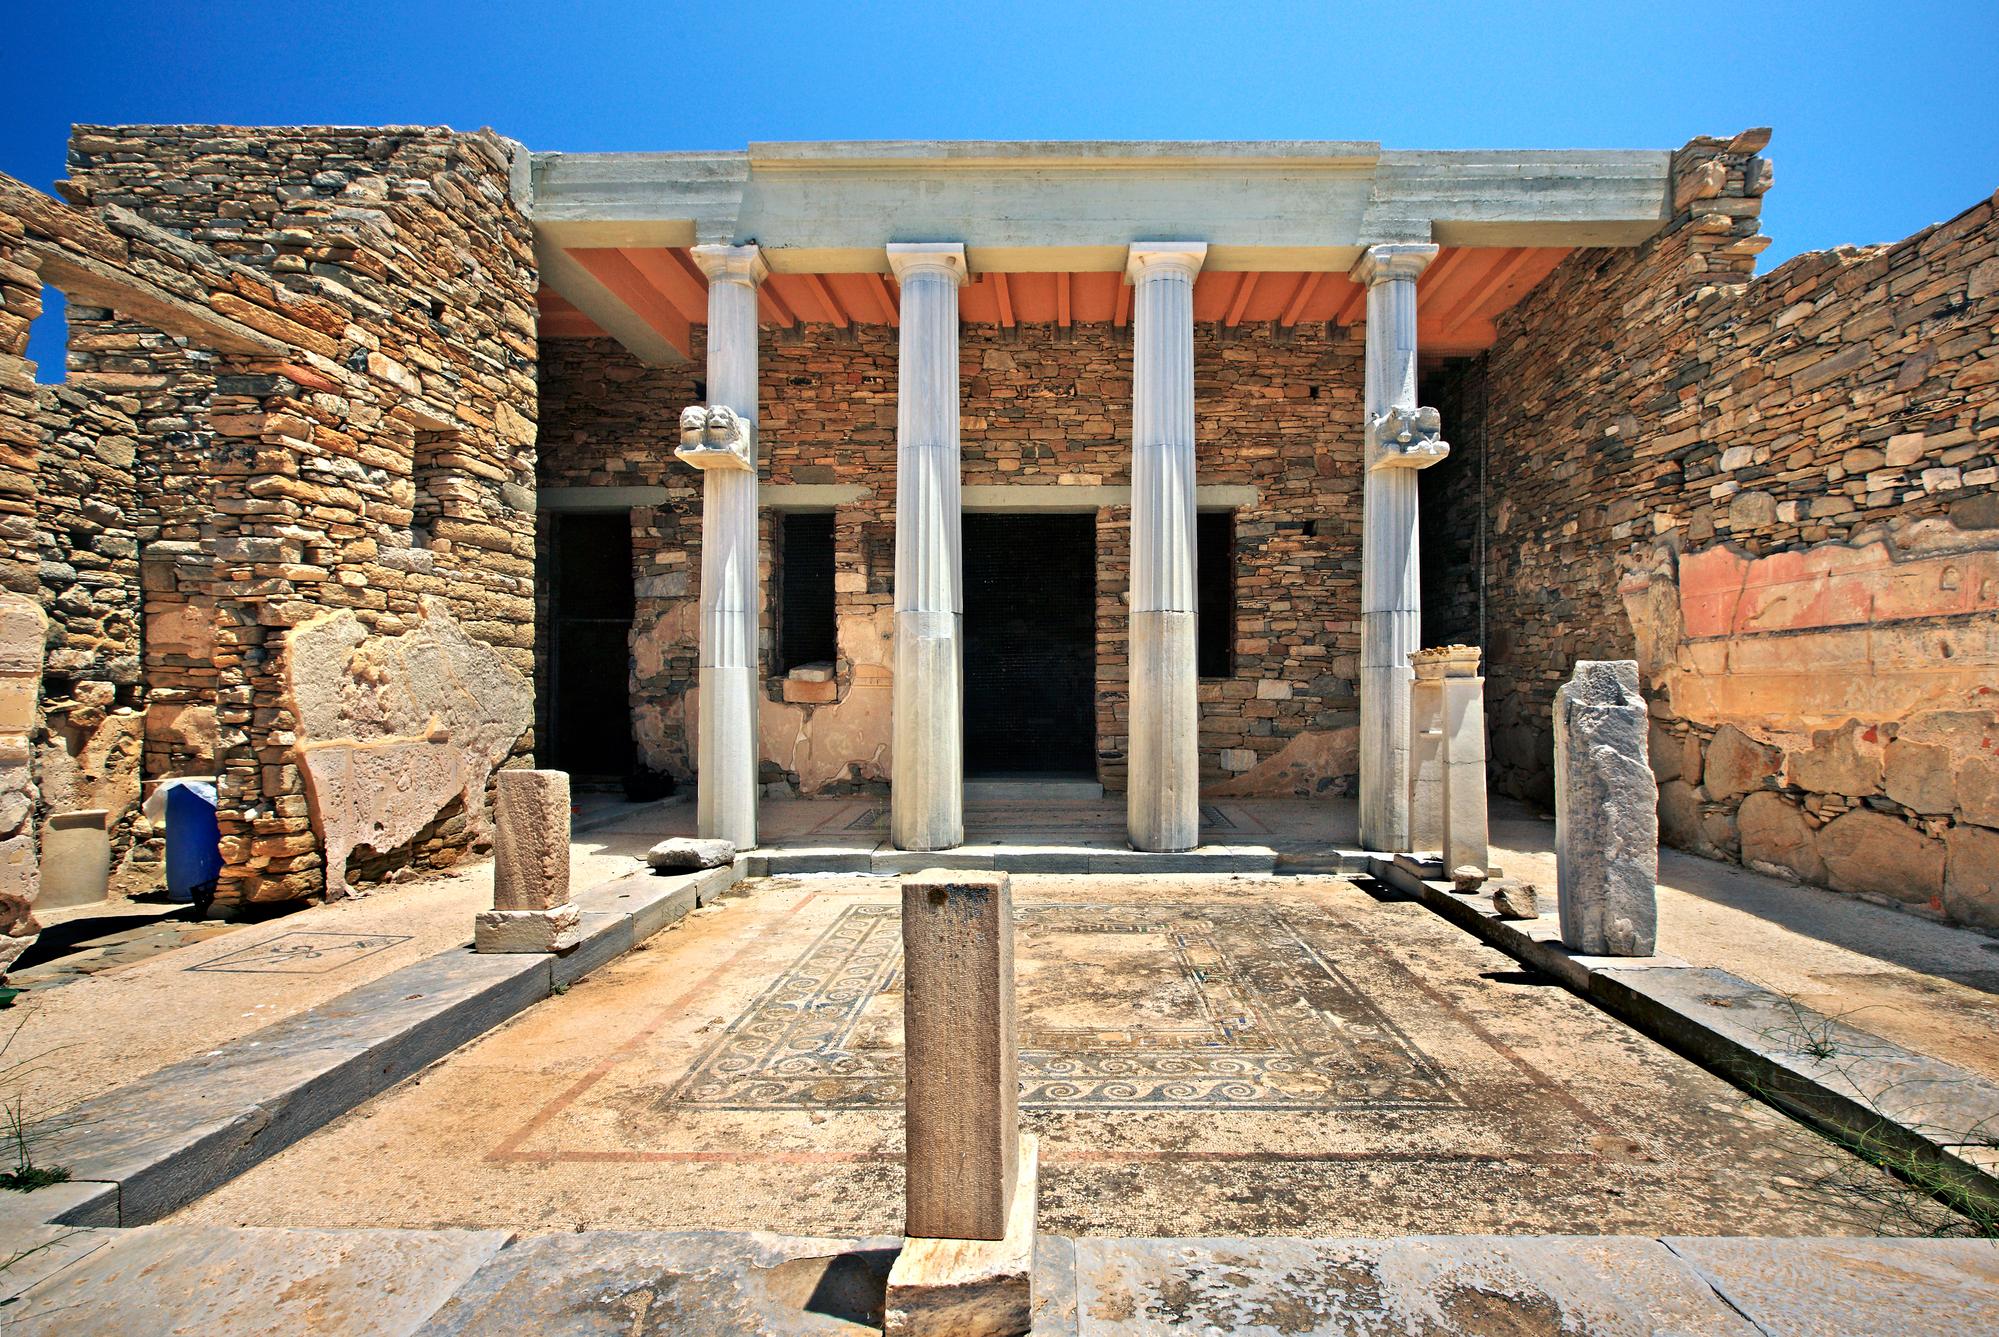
(82, 1256)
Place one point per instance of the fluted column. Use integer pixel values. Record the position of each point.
(926, 803)
(1163, 790)
(1390, 601)
(729, 752)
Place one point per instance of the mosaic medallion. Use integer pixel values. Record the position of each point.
(1121, 1007)
(302, 953)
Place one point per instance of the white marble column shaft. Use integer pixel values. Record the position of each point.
(927, 808)
(728, 748)
(1391, 595)
(1163, 788)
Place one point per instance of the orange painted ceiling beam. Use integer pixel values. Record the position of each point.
(616, 272)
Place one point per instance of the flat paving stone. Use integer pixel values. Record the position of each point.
(1468, 1286)
(254, 1283)
(30, 1253)
(709, 1282)
(1853, 1288)
(1201, 1055)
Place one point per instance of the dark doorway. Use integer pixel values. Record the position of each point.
(590, 611)
(1030, 644)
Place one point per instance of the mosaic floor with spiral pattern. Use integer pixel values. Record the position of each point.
(1201, 1055)
(1212, 1007)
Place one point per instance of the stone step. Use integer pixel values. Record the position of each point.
(235, 1282)
(1032, 788)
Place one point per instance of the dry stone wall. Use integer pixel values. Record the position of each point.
(320, 346)
(1046, 407)
(1778, 494)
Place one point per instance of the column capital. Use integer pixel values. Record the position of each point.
(732, 264)
(911, 258)
(1164, 257)
(1393, 260)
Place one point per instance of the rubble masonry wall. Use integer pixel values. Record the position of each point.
(1778, 494)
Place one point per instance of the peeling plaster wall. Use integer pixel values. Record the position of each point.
(1781, 495)
(1277, 410)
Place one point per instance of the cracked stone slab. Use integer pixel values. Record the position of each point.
(1850, 1287)
(1423, 1286)
(224, 1282)
(170, 1137)
(717, 1283)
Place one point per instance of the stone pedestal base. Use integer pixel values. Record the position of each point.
(970, 1288)
(555, 930)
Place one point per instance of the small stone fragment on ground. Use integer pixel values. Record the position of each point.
(1516, 900)
(685, 855)
(1467, 878)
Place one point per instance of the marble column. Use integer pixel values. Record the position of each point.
(1163, 789)
(926, 796)
(1400, 439)
(720, 440)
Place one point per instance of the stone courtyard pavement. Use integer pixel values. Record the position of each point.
(1203, 1056)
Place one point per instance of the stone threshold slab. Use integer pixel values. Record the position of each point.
(236, 1281)
(150, 1147)
(885, 860)
(1477, 1285)
(1866, 1091)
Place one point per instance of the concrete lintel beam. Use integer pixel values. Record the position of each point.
(700, 193)
(1520, 197)
(820, 208)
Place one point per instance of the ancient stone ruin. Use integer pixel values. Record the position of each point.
(337, 420)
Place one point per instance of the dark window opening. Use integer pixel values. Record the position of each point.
(806, 630)
(1214, 625)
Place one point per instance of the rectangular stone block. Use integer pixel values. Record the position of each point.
(1606, 813)
(1465, 830)
(970, 1288)
(960, 1054)
(531, 840)
(552, 930)
(1426, 765)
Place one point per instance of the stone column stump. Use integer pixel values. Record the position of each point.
(1447, 756)
(966, 1267)
(531, 910)
(1606, 813)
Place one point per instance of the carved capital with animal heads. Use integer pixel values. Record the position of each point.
(715, 436)
(1406, 438)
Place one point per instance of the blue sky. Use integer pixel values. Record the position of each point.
(1886, 116)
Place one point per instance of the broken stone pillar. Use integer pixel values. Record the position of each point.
(1426, 761)
(23, 634)
(1400, 440)
(723, 446)
(926, 787)
(1606, 813)
(1447, 755)
(531, 910)
(966, 1267)
(1163, 785)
